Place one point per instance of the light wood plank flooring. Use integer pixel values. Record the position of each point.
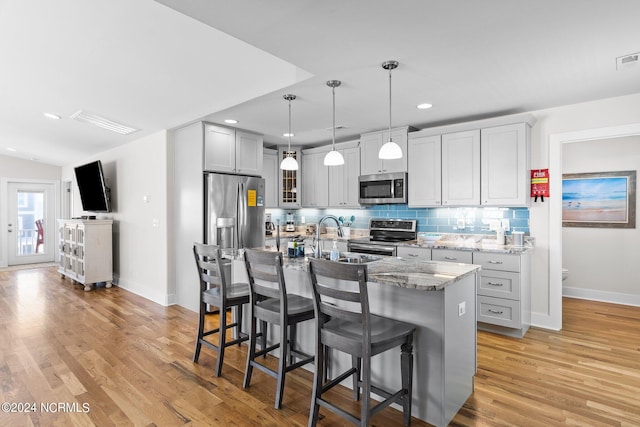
(128, 361)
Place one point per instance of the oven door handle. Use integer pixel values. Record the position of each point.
(364, 246)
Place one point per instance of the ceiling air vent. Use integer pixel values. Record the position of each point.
(627, 61)
(86, 117)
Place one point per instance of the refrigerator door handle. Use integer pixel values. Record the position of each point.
(242, 204)
(238, 214)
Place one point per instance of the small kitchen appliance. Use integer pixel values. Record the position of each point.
(290, 225)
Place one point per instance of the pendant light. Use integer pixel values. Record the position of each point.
(390, 150)
(333, 157)
(289, 163)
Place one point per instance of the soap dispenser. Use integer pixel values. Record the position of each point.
(335, 254)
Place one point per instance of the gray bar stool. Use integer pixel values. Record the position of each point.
(215, 290)
(352, 329)
(269, 302)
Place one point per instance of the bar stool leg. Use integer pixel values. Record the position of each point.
(251, 353)
(263, 339)
(282, 365)
(196, 353)
(317, 385)
(406, 363)
(365, 413)
(222, 335)
(356, 362)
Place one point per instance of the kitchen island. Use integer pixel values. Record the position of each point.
(440, 299)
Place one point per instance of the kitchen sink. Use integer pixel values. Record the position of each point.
(358, 259)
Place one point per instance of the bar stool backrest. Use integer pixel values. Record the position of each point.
(266, 278)
(211, 268)
(346, 301)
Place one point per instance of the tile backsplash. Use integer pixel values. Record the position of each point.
(473, 220)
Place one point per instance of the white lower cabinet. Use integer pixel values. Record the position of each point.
(85, 251)
(419, 254)
(451, 255)
(503, 288)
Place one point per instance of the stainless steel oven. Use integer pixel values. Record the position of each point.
(383, 188)
(384, 234)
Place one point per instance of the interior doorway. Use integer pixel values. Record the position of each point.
(31, 226)
(555, 206)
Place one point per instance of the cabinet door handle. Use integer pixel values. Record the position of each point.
(495, 311)
(450, 258)
(495, 262)
(495, 284)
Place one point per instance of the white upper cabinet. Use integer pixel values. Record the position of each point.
(343, 180)
(270, 175)
(425, 171)
(315, 179)
(231, 150)
(370, 144)
(248, 153)
(290, 182)
(461, 168)
(505, 164)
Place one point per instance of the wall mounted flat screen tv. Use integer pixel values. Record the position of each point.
(94, 194)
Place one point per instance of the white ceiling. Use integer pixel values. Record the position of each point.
(148, 66)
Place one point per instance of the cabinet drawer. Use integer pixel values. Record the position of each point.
(422, 254)
(500, 284)
(493, 261)
(498, 311)
(451, 256)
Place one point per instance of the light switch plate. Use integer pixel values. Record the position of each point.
(462, 308)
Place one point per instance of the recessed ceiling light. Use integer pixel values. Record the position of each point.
(11, 149)
(231, 121)
(289, 135)
(424, 106)
(52, 116)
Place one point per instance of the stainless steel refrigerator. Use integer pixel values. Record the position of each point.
(234, 210)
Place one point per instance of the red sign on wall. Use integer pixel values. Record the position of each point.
(539, 183)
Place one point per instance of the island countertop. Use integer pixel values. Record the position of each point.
(396, 271)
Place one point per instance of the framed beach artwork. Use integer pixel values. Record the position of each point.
(602, 199)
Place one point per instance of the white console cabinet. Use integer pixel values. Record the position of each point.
(85, 251)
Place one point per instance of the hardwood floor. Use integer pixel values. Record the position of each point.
(110, 357)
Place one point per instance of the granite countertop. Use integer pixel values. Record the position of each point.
(469, 242)
(393, 271)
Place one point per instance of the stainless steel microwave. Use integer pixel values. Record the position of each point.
(383, 188)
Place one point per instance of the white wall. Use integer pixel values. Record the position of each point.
(13, 168)
(602, 261)
(553, 123)
(133, 171)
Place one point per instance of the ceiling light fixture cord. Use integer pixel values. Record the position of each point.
(333, 128)
(390, 68)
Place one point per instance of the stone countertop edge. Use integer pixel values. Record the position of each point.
(392, 271)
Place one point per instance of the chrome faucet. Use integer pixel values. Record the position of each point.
(317, 251)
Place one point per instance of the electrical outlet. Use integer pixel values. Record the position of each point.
(462, 308)
(506, 225)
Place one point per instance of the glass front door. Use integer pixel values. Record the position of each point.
(30, 223)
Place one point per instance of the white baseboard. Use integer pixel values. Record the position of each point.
(602, 296)
(543, 320)
(150, 294)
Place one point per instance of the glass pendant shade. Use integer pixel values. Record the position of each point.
(333, 158)
(389, 151)
(289, 164)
